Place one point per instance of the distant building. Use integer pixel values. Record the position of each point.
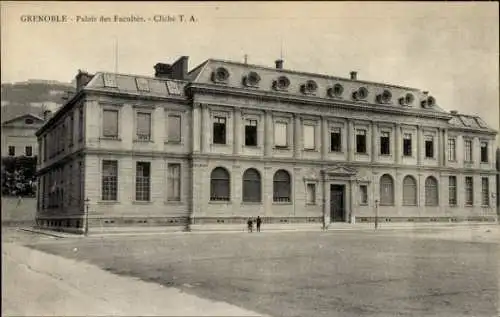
(227, 141)
(18, 135)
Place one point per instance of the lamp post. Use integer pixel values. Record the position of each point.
(376, 214)
(87, 203)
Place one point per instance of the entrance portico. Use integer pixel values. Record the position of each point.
(338, 194)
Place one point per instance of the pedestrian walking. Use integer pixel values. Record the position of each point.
(258, 221)
(250, 225)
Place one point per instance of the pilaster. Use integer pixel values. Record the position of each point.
(324, 138)
(297, 144)
(205, 128)
(351, 146)
(268, 133)
(196, 128)
(398, 143)
(237, 131)
(445, 147)
(419, 145)
(374, 142)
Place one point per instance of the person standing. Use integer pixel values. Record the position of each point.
(258, 221)
(250, 225)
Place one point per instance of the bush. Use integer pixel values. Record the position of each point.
(18, 176)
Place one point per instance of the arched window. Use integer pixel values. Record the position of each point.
(409, 191)
(281, 186)
(386, 190)
(219, 184)
(431, 191)
(251, 185)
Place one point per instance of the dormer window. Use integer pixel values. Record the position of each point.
(221, 75)
(28, 121)
(336, 91)
(406, 100)
(281, 83)
(360, 94)
(384, 97)
(309, 87)
(252, 79)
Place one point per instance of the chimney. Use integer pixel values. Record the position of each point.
(163, 70)
(454, 112)
(354, 75)
(180, 68)
(46, 115)
(425, 93)
(82, 79)
(279, 64)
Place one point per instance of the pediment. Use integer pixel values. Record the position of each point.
(21, 121)
(340, 171)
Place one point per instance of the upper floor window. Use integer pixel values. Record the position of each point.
(335, 140)
(309, 139)
(281, 134)
(80, 123)
(468, 150)
(219, 130)
(484, 152)
(429, 146)
(452, 149)
(28, 121)
(407, 144)
(71, 127)
(29, 151)
(110, 123)
(360, 141)
(174, 128)
(143, 129)
(12, 150)
(385, 143)
(251, 132)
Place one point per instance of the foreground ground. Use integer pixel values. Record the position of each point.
(354, 273)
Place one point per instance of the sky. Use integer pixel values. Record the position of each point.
(450, 49)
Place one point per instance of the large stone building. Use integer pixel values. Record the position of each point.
(227, 141)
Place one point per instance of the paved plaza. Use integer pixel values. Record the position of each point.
(429, 272)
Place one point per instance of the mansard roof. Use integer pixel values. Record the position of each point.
(468, 122)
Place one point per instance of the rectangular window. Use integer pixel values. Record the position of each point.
(484, 152)
(485, 191)
(174, 182)
(452, 190)
(143, 126)
(80, 124)
(360, 141)
(385, 143)
(468, 150)
(219, 130)
(452, 150)
(335, 140)
(29, 151)
(109, 180)
(429, 147)
(251, 132)
(70, 129)
(363, 191)
(110, 123)
(469, 191)
(12, 150)
(309, 139)
(142, 181)
(280, 134)
(174, 129)
(311, 194)
(407, 144)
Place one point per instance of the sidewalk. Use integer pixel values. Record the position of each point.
(36, 283)
(266, 228)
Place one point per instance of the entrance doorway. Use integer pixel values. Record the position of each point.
(337, 210)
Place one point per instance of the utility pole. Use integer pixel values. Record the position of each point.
(376, 214)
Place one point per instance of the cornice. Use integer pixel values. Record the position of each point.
(345, 104)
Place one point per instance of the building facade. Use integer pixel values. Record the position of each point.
(227, 141)
(18, 135)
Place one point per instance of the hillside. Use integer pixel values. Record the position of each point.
(29, 97)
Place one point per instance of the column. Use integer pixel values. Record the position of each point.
(324, 138)
(297, 145)
(237, 131)
(397, 142)
(205, 133)
(374, 142)
(351, 140)
(419, 145)
(268, 133)
(196, 128)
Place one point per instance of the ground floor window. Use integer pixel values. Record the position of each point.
(219, 185)
(143, 181)
(469, 191)
(251, 186)
(452, 190)
(311, 193)
(485, 190)
(281, 186)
